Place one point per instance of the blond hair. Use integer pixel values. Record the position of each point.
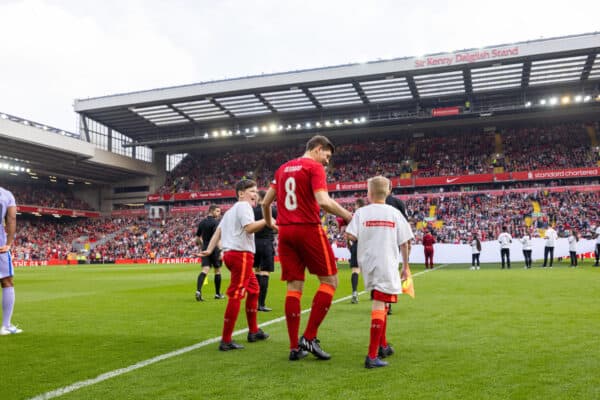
(379, 187)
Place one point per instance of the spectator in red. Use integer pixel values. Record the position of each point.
(428, 241)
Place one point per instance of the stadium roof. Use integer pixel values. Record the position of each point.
(514, 73)
(31, 148)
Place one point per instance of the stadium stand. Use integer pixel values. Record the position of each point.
(46, 196)
(453, 218)
(519, 149)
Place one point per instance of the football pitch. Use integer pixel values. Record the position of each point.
(136, 332)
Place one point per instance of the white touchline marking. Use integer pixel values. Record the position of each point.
(117, 372)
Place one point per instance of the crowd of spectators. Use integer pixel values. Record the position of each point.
(555, 147)
(41, 238)
(452, 217)
(519, 149)
(42, 195)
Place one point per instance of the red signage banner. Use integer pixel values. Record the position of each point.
(42, 263)
(129, 213)
(454, 180)
(569, 173)
(347, 186)
(186, 196)
(178, 260)
(445, 111)
(58, 211)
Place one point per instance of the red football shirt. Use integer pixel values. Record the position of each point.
(428, 240)
(296, 182)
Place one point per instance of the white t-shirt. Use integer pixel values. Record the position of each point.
(474, 249)
(233, 235)
(505, 240)
(380, 229)
(598, 233)
(526, 241)
(551, 237)
(572, 243)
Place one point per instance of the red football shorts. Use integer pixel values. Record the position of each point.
(304, 246)
(386, 298)
(242, 275)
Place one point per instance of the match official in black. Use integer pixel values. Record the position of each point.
(206, 229)
(264, 258)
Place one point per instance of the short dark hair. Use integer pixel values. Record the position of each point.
(319, 140)
(261, 194)
(243, 185)
(360, 202)
(212, 208)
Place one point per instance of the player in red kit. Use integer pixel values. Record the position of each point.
(300, 188)
(428, 241)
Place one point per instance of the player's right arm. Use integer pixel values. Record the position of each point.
(216, 237)
(266, 207)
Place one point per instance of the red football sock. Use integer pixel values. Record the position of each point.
(292, 316)
(320, 307)
(377, 324)
(383, 341)
(251, 310)
(231, 314)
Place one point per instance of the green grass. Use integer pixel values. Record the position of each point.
(488, 334)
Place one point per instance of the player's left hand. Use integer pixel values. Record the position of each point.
(403, 274)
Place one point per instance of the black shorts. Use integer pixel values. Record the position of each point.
(214, 260)
(265, 255)
(353, 257)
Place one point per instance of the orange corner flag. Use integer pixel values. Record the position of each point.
(407, 285)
